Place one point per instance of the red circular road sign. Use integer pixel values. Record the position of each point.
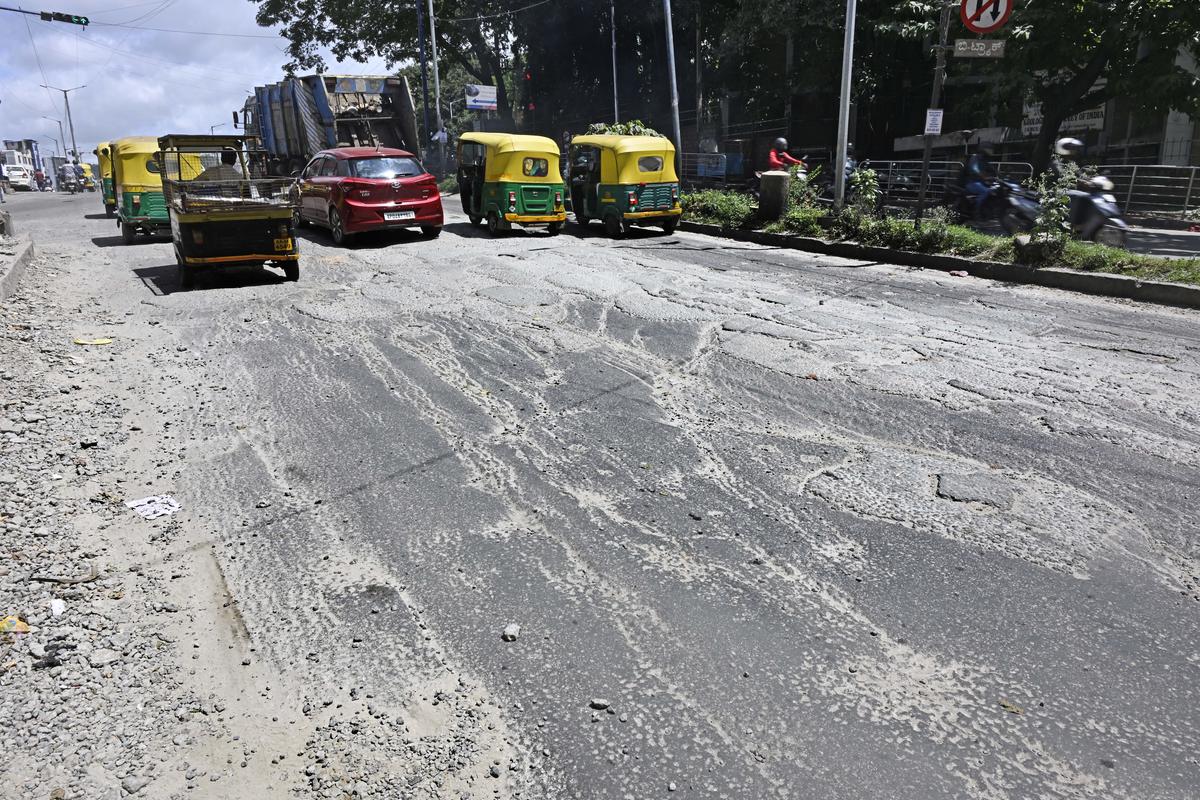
(985, 16)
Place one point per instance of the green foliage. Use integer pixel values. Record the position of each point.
(448, 184)
(865, 186)
(803, 191)
(634, 127)
(803, 220)
(716, 207)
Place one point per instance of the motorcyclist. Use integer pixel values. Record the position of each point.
(978, 176)
(1067, 151)
(779, 158)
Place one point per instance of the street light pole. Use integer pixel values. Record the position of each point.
(61, 138)
(437, 90)
(70, 122)
(212, 128)
(839, 164)
(674, 85)
(612, 16)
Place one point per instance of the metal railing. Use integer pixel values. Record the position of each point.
(1154, 189)
(900, 181)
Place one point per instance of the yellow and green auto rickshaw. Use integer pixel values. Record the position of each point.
(137, 188)
(509, 179)
(103, 153)
(624, 181)
(89, 177)
(224, 210)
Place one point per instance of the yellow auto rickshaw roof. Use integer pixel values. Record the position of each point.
(135, 144)
(512, 142)
(200, 142)
(626, 144)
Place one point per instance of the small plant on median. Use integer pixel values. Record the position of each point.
(717, 207)
(864, 188)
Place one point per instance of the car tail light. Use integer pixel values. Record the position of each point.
(633, 198)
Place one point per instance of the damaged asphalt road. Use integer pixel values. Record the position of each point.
(771, 524)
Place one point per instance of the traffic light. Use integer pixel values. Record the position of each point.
(58, 16)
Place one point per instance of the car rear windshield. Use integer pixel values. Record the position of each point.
(385, 167)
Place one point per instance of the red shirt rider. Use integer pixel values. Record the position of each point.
(779, 159)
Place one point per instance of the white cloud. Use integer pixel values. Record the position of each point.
(139, 82)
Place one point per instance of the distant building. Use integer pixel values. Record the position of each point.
(23, 152)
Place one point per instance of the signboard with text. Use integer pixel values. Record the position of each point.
(481, 98)
(933, 121)
(979, 48)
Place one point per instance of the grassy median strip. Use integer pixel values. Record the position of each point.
(935, 235)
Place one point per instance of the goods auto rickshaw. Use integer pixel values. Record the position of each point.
(510, 179)
(137, 188)
(224, 210)
(89, 178)
(103, 153)
(624, 181)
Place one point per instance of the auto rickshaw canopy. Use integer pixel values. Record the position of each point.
(632, 159)
(103, 153)
(134, 161)
(516, 158)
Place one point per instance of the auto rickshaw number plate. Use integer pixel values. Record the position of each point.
(283, 244)
(392, 216)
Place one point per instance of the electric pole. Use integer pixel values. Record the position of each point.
(424, 71)
(437, 91)
(612, 25)
(70, 122)
(839, 164)
(674, 85)
(935, 101)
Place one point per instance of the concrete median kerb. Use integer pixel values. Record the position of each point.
(13, 267)
(1096, 283)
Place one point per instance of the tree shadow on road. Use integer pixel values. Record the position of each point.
(371, 240)
(164, 280)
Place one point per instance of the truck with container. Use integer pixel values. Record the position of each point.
(300, 116)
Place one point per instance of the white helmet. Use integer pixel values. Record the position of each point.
(1068, 147)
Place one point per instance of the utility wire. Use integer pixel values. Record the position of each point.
(38, 58)
(495, 16)
(195, 33)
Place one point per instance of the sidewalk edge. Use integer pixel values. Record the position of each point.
(1095, 283)
(12, 273)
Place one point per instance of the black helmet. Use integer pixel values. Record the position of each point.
(780, 144)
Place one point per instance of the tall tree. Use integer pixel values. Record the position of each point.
(475, 34)
(1072, 55)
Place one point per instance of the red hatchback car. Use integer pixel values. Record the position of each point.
(355, 189)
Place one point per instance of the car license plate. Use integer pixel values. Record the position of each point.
(392, 216)
(283, 244)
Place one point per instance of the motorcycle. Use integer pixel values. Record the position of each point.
(1095, 215)
(68, 183)
(1014, 206)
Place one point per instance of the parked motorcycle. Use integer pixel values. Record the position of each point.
(1095, 215)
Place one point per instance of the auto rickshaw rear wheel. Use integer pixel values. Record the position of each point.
(553, 228)
(583, 219)
(109, 211)
(297, 219)
(613, 226)
(291, 271)
(493, 223)
(669, 225)
(475, 219)
(431, 231)
(128, 233)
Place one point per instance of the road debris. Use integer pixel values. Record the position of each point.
(511, 632)
(155, 506)
(99, 341)
(959, 273)
(1010, 708)
(13, 624)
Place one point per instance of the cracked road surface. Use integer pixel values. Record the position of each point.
(807, 527)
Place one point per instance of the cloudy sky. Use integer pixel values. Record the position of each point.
(138, 81)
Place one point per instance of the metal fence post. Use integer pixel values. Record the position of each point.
(1129, 194)
(1187, 200)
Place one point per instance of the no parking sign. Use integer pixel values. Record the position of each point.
(985, 16)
